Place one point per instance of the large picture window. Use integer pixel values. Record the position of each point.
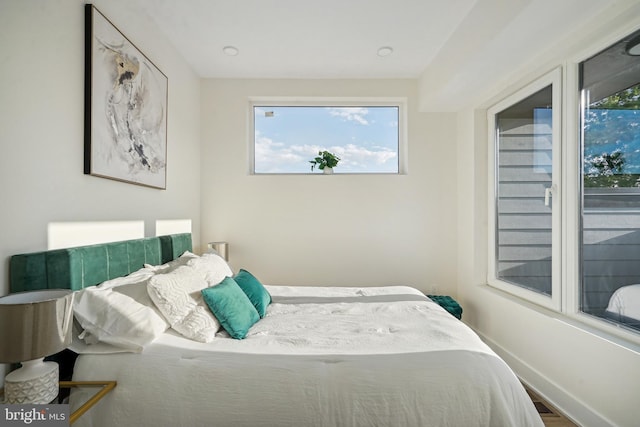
(564, 215)
(610, 227)
(365, 136)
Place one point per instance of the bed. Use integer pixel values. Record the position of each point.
(315, 356)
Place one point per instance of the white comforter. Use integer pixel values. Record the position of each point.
(320, 357)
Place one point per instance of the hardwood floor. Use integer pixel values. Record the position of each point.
(550, 415)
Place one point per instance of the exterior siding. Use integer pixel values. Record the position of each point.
(524, 222)
(611, 255)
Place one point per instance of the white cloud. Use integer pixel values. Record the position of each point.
(272, 157)
(357, 155)
(276, 157)
(351, 114)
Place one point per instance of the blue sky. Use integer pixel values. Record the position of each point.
(365, 138)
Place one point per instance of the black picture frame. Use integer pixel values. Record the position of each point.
(125, 115)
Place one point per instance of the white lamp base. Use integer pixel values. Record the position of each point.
(35, 382)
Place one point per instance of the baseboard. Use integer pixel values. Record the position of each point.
(562, 400)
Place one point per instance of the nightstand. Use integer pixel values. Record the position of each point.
(105, 388)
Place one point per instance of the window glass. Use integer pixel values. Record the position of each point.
(610, 228)
(366, 138)
(524, 159)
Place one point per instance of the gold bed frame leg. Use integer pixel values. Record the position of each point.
(107, 386)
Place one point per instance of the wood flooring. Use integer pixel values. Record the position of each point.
(551, 417)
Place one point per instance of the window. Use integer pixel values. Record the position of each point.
(610, 226)
(524, 206)
(564, 215)
(366, 136)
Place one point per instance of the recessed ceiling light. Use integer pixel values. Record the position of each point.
(385, 51)
(230, 50)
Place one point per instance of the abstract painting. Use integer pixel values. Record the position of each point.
(125, 136)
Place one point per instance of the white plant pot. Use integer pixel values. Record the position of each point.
(327, 171)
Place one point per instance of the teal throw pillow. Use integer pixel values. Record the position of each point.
(259, 296)
(232, 307)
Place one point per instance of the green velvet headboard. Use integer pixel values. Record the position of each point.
(84, 266)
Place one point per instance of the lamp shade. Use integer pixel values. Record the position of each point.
(35, 324)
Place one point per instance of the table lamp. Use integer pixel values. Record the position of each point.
(33, 325)
(221, 248)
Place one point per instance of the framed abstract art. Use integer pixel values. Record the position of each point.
(125, 135)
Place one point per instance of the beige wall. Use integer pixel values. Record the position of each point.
(41, 129)
(348, 230)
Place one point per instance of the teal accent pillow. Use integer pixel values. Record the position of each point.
(232, 307)
(259, 296)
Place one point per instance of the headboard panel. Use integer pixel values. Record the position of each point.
(84, 266)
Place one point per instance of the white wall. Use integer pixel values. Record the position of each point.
(349, 230)
(41, 129)
(592, 378)
(426, 229)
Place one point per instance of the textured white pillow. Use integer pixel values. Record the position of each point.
(212, 267)
(177, 296)
(115, 318)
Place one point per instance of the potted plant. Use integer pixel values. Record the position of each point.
(325, 161)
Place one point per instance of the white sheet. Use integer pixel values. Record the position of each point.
(317, 364)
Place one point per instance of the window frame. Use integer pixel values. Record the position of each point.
(572, 220)
(571, 187)
(554, 302)
(315, 101)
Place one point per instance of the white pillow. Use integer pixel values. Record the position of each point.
(114, 318)
(135, 277)
(177, 296)
(172, 265)
(138, 292)
(80, 346)
(134, 286)
(212, 267)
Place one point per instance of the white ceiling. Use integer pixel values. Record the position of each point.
(307, 39)
(454, 43)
